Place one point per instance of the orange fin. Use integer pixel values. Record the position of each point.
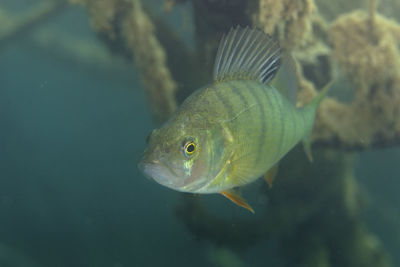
(237, 199)
(271, 175)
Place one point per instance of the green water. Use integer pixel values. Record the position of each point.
(72, 130)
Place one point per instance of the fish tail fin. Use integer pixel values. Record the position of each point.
(317, 100)
(313, 105)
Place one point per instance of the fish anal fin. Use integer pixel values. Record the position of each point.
(271, 175)
(236, 198)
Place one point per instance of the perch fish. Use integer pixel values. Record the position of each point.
(230, 133)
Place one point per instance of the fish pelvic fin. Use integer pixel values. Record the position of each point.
(236, 198)
(248, 54)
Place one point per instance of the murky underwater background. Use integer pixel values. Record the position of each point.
(72, 130)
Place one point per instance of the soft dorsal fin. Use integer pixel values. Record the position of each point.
(246, 53)
(286, 79)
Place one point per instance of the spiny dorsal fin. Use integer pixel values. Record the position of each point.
(246, 53)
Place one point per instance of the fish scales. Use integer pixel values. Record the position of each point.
(263, 132)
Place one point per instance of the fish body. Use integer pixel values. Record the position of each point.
(231, 132)
(258, 126)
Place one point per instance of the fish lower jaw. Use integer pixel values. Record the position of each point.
(207, 190)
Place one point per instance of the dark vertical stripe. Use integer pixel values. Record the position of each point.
(294, 120)
(271, 107)
(267, 96)
(225, 102)
(280, 110)
(291, 127)
(252, 90)
(303, 119)
(237, 91)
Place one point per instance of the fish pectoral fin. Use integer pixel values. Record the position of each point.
(271, 175)
(236, 198)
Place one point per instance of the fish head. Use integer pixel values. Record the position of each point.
(183, 155)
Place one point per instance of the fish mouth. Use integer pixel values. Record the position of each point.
(161, 173)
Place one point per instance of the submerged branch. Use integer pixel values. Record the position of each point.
(40, 14)
(139, 34)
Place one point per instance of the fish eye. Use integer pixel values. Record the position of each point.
(189, 148)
